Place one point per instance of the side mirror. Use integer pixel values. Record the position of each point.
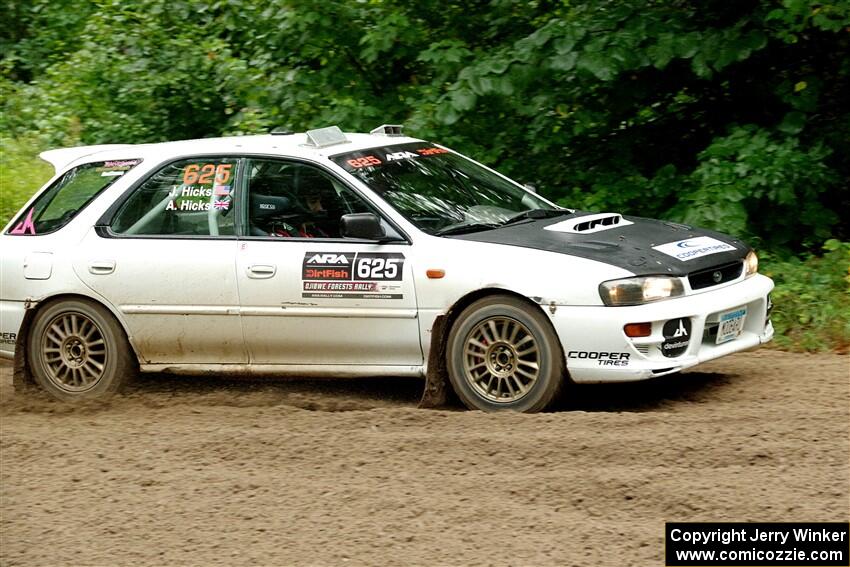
(529, 187)
(366, 226)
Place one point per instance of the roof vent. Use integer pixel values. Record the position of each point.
(388, 130)
(279, 131)
(323, 137)
(590, 223)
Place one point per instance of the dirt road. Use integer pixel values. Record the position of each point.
(186, 471)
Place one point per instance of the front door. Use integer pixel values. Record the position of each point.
(309, 296)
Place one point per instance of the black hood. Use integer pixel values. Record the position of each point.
(629, 247)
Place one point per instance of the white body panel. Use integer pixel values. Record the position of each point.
(600, 329)
(178, 297)
(283, 327)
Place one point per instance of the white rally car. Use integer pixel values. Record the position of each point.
(332, 254)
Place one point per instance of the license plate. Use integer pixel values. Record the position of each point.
(731, 325)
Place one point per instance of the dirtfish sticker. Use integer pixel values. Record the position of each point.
(691, 248)
(359, 275)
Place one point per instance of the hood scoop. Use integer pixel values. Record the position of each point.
(590, 223)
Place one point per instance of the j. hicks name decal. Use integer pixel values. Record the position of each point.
(359, 275)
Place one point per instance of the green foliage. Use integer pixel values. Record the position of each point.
(21, 174)
(751, 183)
(811, 299)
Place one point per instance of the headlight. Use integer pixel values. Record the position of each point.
(634, 291)
(751, 263)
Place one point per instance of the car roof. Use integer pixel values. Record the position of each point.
(293, 145)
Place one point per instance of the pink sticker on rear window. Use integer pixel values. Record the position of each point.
(25, 226)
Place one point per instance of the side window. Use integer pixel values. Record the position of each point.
(69, 195)
(191, 197)
(295, 200)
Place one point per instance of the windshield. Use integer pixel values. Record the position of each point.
(437, 190)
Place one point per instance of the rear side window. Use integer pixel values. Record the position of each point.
(69, 195)
(190, 197)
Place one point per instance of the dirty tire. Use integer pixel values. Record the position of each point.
(78, 351)
(502, 354)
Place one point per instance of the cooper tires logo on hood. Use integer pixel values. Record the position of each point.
(677, 337)
(692, 248)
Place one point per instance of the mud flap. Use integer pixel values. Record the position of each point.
(437, 391)
(22, 379)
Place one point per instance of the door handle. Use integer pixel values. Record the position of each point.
(261, 271)
(102, 267)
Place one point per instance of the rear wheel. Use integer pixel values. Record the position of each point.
(503, 355)
(77, 350)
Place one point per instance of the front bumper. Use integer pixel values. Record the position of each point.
(598, 350)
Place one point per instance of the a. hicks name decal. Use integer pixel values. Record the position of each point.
(692, 248)
(358, 275)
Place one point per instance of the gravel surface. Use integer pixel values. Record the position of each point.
(198, 471)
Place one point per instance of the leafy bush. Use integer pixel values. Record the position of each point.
(757, 185)
(811, 299)
(21, 174)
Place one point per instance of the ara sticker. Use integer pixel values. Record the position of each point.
(26, 226)
(359, 275)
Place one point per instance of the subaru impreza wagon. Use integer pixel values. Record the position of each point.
(334, 254)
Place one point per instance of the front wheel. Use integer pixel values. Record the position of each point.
(77, 350)
(503, 354)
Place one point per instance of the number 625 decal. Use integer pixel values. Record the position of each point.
(378, 266)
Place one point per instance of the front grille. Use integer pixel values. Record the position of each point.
(709, 334)
(716, 275)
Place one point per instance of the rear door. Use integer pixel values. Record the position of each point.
(309, 296)
(167, 262)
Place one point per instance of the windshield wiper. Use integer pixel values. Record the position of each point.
(537, 214)
(464, 228)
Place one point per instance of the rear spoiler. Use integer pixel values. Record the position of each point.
(61, 158)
